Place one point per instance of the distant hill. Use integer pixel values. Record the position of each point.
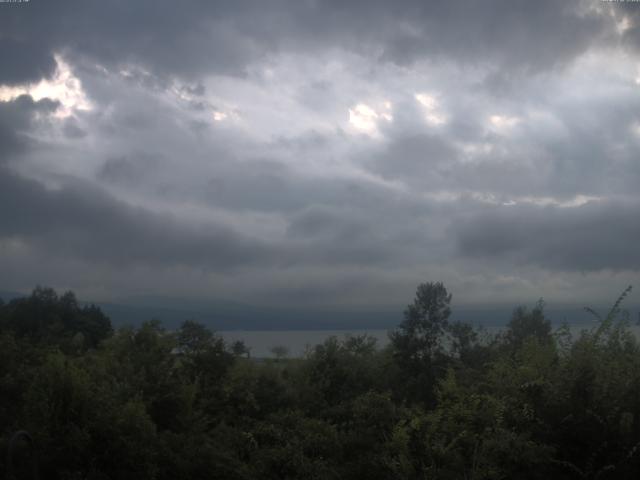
(227, 315)
(237, 316)
(7, 295)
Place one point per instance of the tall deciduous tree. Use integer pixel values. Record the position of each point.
(417, 343)
(525, 324)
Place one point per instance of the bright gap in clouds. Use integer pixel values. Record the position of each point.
(433, 115)
(219, 116)
(64, 87)
(576, 201)
(503, 122)
(364, 118)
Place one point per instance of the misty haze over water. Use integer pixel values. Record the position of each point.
(299, 342)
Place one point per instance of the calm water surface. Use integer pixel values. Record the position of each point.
(298, 341)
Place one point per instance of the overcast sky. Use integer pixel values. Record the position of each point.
(321, 152)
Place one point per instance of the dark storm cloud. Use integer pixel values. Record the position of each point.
(23, 61)
(524, 34)
(595, 236)
(580, 139)
(188, 39)
(129, 170)
(338, 235)
(72, 130)
(16, 119)
(319, 221)
(267, 187)
(423, 158)
(270, 184)
(79, 220)
(83, 222)
(164, 36)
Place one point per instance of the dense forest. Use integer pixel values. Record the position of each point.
(444, 400)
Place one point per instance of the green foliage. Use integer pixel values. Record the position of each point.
(469, 435)
(425, 322)
(443, 401)
(418, 345)
(525, 324)
(337, 371)
(46, 317)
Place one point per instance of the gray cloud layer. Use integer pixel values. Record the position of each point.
(84, 222)
(225, 36)
(592, 237)
(314, 148)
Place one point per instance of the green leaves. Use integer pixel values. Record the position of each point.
(440, 402)
(46, 318)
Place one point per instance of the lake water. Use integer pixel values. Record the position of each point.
(298, 341)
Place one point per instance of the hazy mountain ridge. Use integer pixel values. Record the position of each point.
(229, 315)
